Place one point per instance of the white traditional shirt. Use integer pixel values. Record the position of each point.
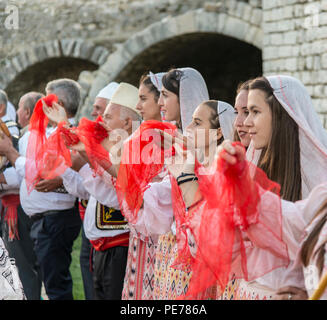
(101, 189)
(38, 202)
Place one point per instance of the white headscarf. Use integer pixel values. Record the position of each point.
(192, 92)
(156, 79)
(295, 99)
(226, 114)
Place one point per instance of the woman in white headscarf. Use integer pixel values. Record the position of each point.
(149, 92)
(212, 122)
(182, 91)
(138, 281)
(285, 129)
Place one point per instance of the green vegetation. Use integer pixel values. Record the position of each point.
(75, 269)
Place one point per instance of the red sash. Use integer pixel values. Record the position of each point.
(11, 202)
(104, 243)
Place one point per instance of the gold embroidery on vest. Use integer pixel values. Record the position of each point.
(105, 216)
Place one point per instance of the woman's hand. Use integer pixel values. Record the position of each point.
(184, 158)
(231, 154)
(80, 147)
(56, 113)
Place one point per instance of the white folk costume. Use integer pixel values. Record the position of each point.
(139, 277)
(294, 98)
(157, 215)
(56, 210)
(73, 183)
(104, 225)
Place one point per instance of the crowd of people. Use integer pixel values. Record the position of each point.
(176, 195)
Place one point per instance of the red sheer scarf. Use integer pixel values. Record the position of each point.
(91, 133)
(51, 157)
(230, 206)
(37, 142)
(142, 160)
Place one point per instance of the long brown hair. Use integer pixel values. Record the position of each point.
(280, 159)
(311, 241)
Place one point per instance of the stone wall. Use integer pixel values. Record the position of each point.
(96, 41)
(86, 30)
(295, 43)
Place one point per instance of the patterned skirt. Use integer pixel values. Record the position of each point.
(139, 276)
(169, 283)
(230, 290)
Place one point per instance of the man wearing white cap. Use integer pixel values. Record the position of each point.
(103, 223)
(102, 99)
(73, 183)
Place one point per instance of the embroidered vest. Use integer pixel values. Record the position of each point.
(109, 218)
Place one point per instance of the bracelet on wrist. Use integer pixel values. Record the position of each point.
(194, 204)
(182, 175)
(187, 180)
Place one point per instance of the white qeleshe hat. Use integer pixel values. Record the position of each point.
(126, 95)
(108, 91)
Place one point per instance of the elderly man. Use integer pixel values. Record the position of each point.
(103, 223)
(56, 222)
(109, 236)
(74, 185)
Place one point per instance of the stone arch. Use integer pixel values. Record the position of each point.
(74, 54)
(244, 25)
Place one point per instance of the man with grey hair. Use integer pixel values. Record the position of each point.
(26, 106)
(104, 224)
(56, 222)
(68, 93)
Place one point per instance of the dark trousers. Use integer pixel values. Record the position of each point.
(22, 251)
(85, 263)
(109, 273)
(53, 237)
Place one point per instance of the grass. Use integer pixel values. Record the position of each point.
(75, 269)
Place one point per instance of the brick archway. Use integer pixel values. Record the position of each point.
(244, 26)
(63, 52)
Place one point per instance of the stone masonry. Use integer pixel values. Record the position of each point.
(97, 41)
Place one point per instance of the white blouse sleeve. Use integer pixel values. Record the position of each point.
(100, 187)
(73, 183)
(156, 217)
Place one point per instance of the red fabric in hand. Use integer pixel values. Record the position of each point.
(36, 142)
(142, 160)
(91, 134)
(56, 157)
(219, 223)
